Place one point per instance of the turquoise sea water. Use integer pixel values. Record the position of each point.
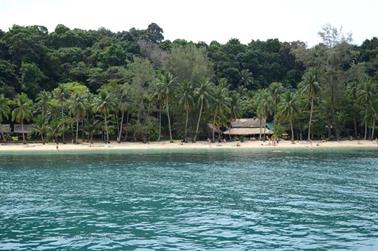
(214, 200)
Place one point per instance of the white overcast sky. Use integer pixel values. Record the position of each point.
(202, 20)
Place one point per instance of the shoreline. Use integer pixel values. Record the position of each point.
(176, 145)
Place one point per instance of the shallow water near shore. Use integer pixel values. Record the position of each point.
(190, 200)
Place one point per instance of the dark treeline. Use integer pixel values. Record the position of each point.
(74, 84)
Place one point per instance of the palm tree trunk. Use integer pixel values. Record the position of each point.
(106, 128)
(310, 120)
(83, 131)
(329, 132)
(337, 132)
(372, 130)
(23, 134)
(265, 131)
(2, 134)
(186, 125)
(127, 125)
(365, 134)
(275, 113)
(116, 119)
(77, 131)
(62, 113)
(260, 129)
(72, 129)
(213, 127)
(292, 131)
(198, 121)
(120, 128)
(355, 127)
(159, 137)
(365, 119)
(169, 122)
(333, 112)
(138, 123)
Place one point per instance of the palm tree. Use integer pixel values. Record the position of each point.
(61, 95)
(78, 108)
(104, 106)
(367, 98)
(203, 94)
(23, 111)
(165, 87)
(4, 111)
(123, 105)
(351, 94)
(310, 87)
(374, 117)
(288, 108)
(263, 103)
(43, 102)
(276, 89)
(91, 128)
(235, 105)
(246, 78)
(56, 128)
(158, 98)
(40, 126)
(186, 100)
(221, 105)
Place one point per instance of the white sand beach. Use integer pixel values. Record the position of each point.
(176, 145)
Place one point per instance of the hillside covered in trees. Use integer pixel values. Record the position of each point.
(74, 84)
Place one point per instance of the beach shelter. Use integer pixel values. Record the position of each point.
(248, 127)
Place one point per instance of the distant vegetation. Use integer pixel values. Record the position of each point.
(74, 84)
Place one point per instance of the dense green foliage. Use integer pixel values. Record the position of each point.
(134, 85)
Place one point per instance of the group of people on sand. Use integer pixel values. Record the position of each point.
(271, 142)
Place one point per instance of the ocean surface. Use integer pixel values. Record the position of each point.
(190, 200)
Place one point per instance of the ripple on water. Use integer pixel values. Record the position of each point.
(189, 201)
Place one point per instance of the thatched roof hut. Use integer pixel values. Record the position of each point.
(246, 131)
(5, 128)
(26, 128)
(247, 127)
(247, 123)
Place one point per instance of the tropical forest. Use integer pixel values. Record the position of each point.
(75, 85)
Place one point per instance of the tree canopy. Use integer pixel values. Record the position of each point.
(136, 85)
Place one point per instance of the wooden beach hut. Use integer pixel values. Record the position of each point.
(4, 129)
(22, 129)
(248, 127)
